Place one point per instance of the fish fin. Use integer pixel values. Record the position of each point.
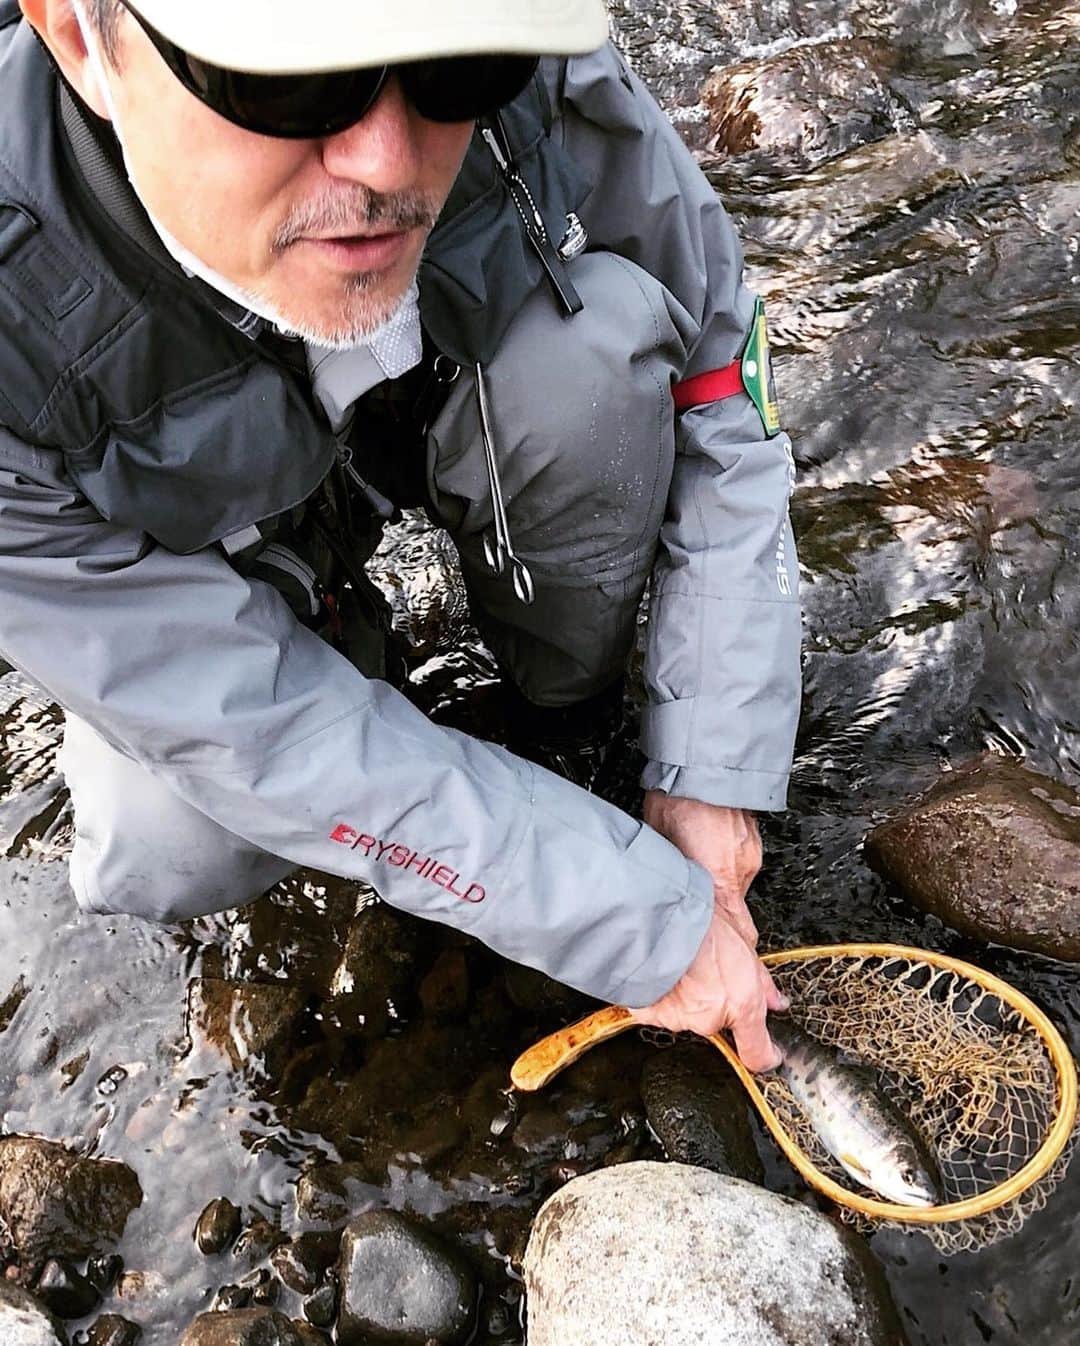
(855, 1168)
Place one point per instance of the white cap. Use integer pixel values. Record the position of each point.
(307, 36)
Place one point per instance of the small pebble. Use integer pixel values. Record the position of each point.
(217, 1227)
(114, 1331)
(104, 1272)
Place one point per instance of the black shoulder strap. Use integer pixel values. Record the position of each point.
(102, 174)
(101, 165)
(9, 13)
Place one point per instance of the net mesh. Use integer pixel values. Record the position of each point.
(970, 1071)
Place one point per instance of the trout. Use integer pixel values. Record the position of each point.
(856, 1122)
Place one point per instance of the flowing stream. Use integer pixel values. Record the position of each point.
(906, 179)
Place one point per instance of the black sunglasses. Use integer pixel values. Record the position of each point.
(307, 107)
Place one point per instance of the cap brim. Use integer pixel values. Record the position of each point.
(308, 36)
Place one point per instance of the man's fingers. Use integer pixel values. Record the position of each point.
(775, 999)
(756, 1049)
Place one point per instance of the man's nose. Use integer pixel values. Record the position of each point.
(381, 151)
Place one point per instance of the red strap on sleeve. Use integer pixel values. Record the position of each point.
(714, 386)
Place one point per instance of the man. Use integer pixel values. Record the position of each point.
(268, 272)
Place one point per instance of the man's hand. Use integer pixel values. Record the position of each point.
(726, 986)
(725, 841)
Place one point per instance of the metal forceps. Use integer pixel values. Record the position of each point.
(499, 551)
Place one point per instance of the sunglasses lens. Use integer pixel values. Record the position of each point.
(462, 88)
(282, 105)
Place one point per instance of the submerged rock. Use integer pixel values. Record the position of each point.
(380, 968)
(304, 1261)
(65, 1291)
(401, 1286)
(668, 1255)
(242, 1327)
(55, 1203)
(25, 1322)
(993, 850)
(804, 106)
(698, 1110)
(250, 1024)
(112, 1330)
(329, 1194)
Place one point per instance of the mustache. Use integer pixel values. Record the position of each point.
(358, 210)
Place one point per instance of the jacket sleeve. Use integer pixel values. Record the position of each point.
(208, 681)
(723, 658)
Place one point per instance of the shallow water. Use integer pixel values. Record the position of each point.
(919, 256)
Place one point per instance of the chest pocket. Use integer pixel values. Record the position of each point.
(480, 265)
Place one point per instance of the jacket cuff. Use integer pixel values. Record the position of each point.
(677, 947)
(730, 787)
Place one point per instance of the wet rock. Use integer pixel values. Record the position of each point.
(230, 1297)
(257, 1242)
(112, 1330)
(103, 1272)
(536, 993)
(542, 1134)
(444, 992)
(993, 850)
(251, 1025)
(54, 1202)
(665, 1253)
(330, 1193)
(217, 1227)
(804, 106)
(263, 1286)
(432, 1141)
(242, 1327)
(697, 1109)
(142, 1287)
(303, 1263)
(377, 977)
(65, 1291)
(25, 1322)
(402, 1286)
(307, 1335)
(321, 1307)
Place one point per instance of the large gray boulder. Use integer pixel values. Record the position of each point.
(25, 1322)
(650, 1254)
(993, 850)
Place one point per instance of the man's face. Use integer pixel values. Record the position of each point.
(326, 234)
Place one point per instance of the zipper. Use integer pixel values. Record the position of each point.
(281, 558)
(532, 221)
(380, 506)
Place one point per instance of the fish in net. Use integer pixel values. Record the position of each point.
(976, 1068)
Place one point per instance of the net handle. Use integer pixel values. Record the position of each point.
(541, 1063)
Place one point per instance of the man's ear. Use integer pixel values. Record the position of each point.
(57, 24)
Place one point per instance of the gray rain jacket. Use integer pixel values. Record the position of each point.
(138, 429)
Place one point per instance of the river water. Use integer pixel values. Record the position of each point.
(906, 177)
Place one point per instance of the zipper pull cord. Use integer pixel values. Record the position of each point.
(383, 508)
(533, 222)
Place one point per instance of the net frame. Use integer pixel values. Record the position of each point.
(547, 1058)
